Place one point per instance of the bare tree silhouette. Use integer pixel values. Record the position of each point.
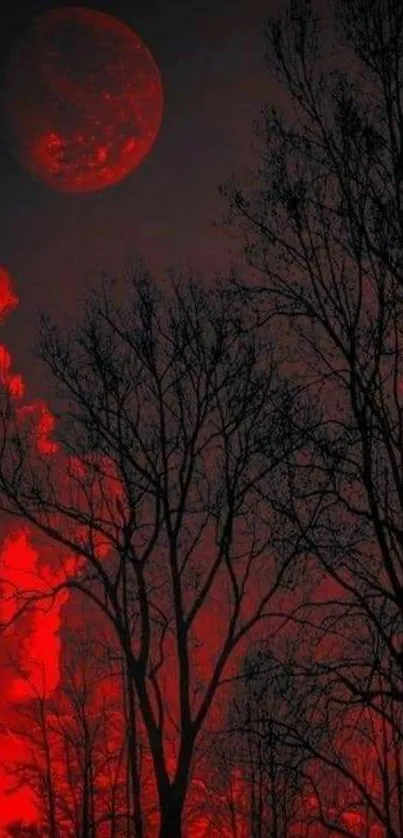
(268, 703)
(323, 229)
(76, 744)
(172, 420)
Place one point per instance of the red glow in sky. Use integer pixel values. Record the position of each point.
(30, 653)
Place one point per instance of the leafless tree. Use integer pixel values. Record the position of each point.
(320, 766)
(270, 703)
(171, 417)
(323, 227)
(37, 771)
(76, 745)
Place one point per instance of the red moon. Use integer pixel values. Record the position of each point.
(84, 100)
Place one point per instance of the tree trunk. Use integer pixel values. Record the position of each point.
(171, 819)
(50, 792)
(133, 757)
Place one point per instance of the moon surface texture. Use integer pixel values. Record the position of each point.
(83, 100)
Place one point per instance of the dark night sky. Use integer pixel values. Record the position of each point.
(210, 56)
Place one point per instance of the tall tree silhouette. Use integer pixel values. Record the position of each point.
(172, 419)
(323, 227)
